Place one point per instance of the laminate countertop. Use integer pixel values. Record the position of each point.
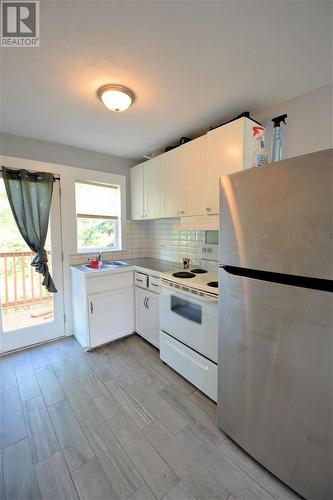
(145, 265)
(150, 264)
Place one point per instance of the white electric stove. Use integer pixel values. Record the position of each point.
(196, 280)
(189, 326)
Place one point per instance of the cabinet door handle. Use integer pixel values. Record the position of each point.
(137, 279)
(208, 209)
(91, 307)
(154, 284)
(147, 302)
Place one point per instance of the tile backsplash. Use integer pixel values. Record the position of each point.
(155, 238)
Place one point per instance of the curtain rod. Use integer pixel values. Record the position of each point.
(56, 177)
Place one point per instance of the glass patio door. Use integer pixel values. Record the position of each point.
(29, 314)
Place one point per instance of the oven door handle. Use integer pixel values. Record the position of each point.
(205, 298)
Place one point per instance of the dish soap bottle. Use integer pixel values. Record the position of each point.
(259, 155)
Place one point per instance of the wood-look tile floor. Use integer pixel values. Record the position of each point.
(115, 423)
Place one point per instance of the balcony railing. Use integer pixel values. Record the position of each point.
(20, 284)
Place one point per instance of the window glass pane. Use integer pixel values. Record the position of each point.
(24, 301)
(98, 216)
(97, 233)
(95, 199)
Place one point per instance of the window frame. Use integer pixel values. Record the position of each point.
(118, 230)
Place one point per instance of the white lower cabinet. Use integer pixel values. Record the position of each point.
(103, 306)
(109, 315)
(147, 316)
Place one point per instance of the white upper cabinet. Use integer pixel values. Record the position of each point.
(228, 149)
(185, 180)
(173, 182)
(152, 188)
(194, 162)
(137, 192)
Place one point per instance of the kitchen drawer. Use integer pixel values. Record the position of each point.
(195, 368)
(141, 280)
(109, 282)
(154, 284)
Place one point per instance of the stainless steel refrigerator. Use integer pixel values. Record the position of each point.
(275, 334)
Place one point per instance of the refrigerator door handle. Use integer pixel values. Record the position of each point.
(284, 279)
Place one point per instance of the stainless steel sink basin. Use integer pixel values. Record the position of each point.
(116, 263)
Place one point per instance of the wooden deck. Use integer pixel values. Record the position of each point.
(22, 318)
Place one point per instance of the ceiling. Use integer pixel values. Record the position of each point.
(191, 64)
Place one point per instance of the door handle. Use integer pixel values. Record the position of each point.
(91, 307)
(147, 302)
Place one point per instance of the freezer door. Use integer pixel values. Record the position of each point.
(275, 379)
(279, 218)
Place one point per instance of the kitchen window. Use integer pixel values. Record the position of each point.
(98, 208)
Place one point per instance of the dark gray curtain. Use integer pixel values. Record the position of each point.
(30, 196)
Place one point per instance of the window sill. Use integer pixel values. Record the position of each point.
(90, 251)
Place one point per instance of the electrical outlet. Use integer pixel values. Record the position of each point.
(210, 252)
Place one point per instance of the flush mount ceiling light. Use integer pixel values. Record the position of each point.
(116, 97)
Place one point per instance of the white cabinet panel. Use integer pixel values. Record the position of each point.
(147, 318)
(153, 307)
(137, 191)
(229, 149)
(152, 188)
(173, 183)
(194, 162)
(110, 315)
(141, 323)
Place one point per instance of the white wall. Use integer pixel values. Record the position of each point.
(60, 154)
(308, 126)
(32, 149)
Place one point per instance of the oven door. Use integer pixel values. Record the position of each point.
(190, 319)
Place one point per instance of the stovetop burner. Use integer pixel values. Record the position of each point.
(198, 271)
(183, 274)
(214, 284)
